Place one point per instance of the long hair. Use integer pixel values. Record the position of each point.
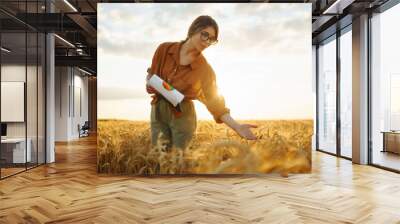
(200, 23)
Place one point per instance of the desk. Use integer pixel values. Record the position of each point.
(391, 141)
(15, 148)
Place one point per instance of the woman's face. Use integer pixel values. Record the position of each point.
(204, 38)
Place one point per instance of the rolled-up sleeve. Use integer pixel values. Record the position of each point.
(156, 60)
(214, 102)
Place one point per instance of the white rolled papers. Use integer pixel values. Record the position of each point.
(165, 89)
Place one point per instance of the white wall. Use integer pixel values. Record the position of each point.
(81, 94)
(62, 81)
(70, 84)
(12, 73)
(34, 125)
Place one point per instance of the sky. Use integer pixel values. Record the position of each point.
(262, 60)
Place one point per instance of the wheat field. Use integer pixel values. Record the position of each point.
(283, 146)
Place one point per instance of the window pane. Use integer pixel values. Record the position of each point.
(327, 96)
(386, 89)
(346, 94)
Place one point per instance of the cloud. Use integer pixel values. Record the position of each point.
(114, 93)
(135, 30)
(127, 47)
(268, 27)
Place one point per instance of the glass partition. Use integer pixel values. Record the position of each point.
(327, 95)
(14, 151)
(22, 77)
(385, 89)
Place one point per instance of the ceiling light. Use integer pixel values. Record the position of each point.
(5, 49)
(79, 51)
(86, 72)
(338, 6)
(70, 5)
(64, 40)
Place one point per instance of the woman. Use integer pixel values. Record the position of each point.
(182, 65)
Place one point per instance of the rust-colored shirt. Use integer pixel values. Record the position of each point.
(195, 81)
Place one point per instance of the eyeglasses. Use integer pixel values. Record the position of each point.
(205, 36)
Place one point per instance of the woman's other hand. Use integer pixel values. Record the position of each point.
(244, 131)
(149, 89)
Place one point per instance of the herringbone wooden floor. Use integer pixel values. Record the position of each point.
(70, 191)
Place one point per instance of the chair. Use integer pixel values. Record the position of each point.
(84, 130)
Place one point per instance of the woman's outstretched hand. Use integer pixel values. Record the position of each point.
(244, 131)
